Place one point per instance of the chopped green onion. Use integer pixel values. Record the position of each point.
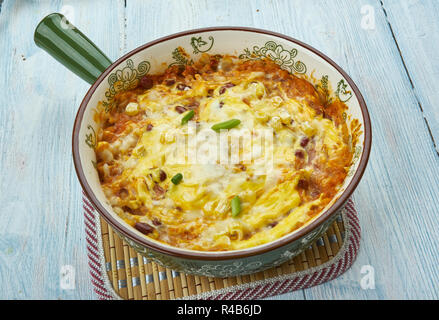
(226, 124)
(177, 178)
(236, 206)
(187, 117)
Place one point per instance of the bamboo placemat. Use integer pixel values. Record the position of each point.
(131, 276)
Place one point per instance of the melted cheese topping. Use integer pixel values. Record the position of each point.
(288, 164)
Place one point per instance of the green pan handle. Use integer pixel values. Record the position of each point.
(56, 35)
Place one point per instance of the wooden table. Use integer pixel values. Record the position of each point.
(392, 56)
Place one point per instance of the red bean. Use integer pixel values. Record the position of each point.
(224, 87)
(162, 175)
(127, 209)
(302, 184)
(221, 104)
(149, 127)
(299, 154)
(144, 227)
(146, 82)
(169, 82)
(156, 221)
(180, 109)
(304, 141)
(193, 105)
(137, 212)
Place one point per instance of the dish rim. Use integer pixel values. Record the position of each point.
(220, 255)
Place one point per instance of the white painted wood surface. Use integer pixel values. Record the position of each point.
(394, 65)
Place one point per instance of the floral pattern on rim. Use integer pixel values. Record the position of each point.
(180, 57)
(91, 141)
(342, 92)
(287, 255)
(90, 138)
(124, 79)
(199, 44)
(355, 158)
(323, 88)
(282, 57)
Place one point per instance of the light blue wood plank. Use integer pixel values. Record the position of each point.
(41, 218)
(415, 26)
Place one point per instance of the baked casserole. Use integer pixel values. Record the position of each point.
(222, 154)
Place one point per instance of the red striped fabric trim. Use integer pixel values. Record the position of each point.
(96, 271)
(266, 288)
